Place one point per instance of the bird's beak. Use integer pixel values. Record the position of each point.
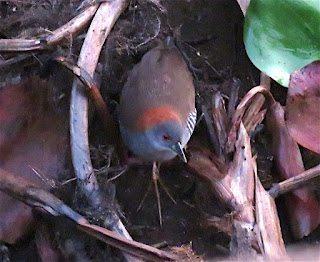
(179, 150)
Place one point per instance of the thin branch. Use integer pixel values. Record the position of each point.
(102, 23)
(6, 64)
(294, 182)
(130, 246)
(21, 45)
(100, 27)
(72, 28)
(34, 196)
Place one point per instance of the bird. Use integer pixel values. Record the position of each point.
(157, 112)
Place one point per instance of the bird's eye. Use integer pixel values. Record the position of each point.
(166, 137)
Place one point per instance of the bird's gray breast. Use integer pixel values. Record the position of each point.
(143, 145)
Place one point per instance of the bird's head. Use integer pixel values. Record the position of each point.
(167, 136)
(158, 135)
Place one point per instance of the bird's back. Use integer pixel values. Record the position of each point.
(161, 79)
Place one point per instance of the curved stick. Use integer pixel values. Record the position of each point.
(99, 29)
(294, 182)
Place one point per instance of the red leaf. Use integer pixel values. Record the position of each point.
(303, 207)
(32, 135)
(303, 110)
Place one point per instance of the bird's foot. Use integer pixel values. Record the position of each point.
(145, 196)
(155, 180)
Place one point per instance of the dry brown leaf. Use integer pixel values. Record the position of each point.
(33, 135)
(302, 109)
(302, 205)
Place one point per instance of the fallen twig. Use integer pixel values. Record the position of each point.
(294, 182)
(6, 64)
(21, 45)
(102, 23)
(72, 28)
(34, 196)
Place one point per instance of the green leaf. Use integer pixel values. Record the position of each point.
(282, 36)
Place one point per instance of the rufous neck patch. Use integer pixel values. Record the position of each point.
(155, 116)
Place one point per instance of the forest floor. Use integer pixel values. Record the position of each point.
(209, 34)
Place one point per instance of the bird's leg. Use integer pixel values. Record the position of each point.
(145, 196)
(165, 188)
(156, 179)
